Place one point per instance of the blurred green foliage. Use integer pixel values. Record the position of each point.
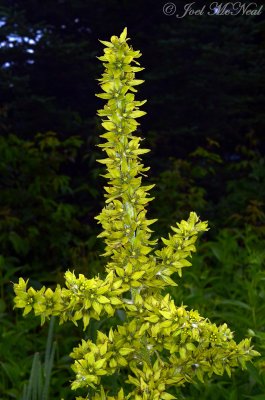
(41, 215)
(228, 190)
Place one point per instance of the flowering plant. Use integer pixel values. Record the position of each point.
(159, 344)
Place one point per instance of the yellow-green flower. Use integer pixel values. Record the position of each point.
(26, 298)
(89, 369)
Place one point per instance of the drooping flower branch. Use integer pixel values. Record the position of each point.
(159, 344)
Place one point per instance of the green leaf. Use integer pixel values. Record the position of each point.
(123, 35)
(137, 114)
(103, 299)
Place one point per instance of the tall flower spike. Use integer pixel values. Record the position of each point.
(125, 228)
(159, 345)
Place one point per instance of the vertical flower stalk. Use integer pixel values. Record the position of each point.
(125, 227)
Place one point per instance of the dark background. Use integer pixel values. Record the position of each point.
(204, 82)
(204, 74)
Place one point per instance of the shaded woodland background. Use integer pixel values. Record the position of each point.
(204, 82)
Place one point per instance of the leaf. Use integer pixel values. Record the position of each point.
(105, 96)
(190, 347)
(110, 126)
(137, 275)
(108, 44)
(20, 245)
(167, 396)
(137, 114)
(236, 303)
(115, 301)
(153, 318)
(136, 82)
(168, 280)
(99, 363)
(182, 352)
(199, 374)
(97, 307)
(123, 35)
(103, 299)
(166, 314)
(124, 351)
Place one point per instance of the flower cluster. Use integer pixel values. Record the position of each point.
(159, 344)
